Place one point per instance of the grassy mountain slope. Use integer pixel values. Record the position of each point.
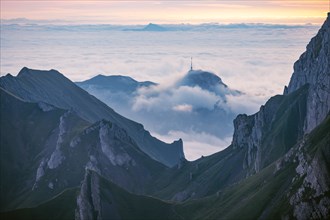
(61, 206)
(267, 194)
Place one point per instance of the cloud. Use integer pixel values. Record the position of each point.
(244, 104)
(183, 108)
(181, 98)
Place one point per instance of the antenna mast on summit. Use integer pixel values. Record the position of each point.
(191, 68)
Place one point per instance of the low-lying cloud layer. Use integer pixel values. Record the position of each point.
(255, 59)
(181, 98)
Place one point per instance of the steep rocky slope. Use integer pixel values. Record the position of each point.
(312, 72)
(53, 88)
(313, 68)
(296, 186)
(45, 150)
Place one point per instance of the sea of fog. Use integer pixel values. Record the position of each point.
(256, 59)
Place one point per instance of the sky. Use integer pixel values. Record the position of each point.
(140, 12)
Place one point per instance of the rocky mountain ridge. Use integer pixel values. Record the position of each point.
(52, 155)
(313, 68)
(53, 88)
(312, 71)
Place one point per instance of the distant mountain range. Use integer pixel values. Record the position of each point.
(66, 155)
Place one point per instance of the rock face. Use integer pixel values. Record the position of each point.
(271, 132)
(309, 200)
(250, 131)
(313, 68)
(88, 201)
(310, 83)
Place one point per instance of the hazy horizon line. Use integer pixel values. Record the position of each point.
(33, 22)
(62, 22)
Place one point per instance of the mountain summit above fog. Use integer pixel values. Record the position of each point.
(150, 27)
(153, 27)
(206, 81)
(189, 104)
(114, 83)
(201, 78)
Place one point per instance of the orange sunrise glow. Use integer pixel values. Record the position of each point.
(139, 12)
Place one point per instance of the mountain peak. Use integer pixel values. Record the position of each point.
(117, 78)
(201, 78)
(115, 83)
(25, 71)
(153, 27)
(313, 65)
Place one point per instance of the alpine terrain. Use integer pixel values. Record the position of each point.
(67, 155)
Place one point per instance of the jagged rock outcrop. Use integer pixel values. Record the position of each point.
(309, 193)
(90, 206)
(250, 130)
(313, 68)
(310, 83)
